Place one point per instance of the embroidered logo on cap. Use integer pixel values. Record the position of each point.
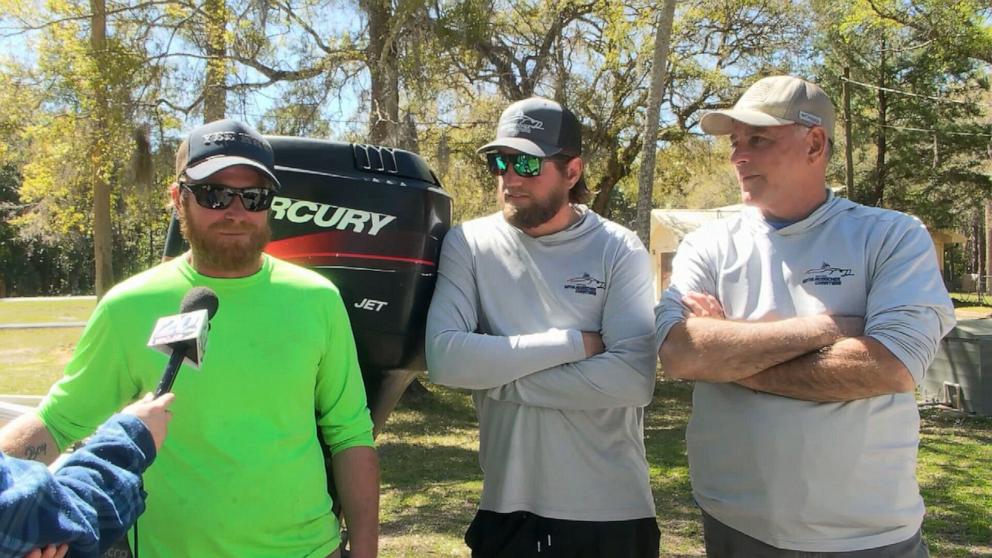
(230, 137)
(810, 119)
(520, 123)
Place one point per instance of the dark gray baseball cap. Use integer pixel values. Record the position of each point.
(538, 126)
(221, 144)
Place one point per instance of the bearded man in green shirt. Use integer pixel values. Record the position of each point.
(242, 473)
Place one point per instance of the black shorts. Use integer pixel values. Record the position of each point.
(523, 534)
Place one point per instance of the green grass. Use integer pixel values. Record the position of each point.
(664, 440)
(968, 306)
(32, 359)
(13, 310)
(431, 480)
(955, 475)
(971, 299)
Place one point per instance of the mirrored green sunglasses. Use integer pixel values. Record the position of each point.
(523, 164)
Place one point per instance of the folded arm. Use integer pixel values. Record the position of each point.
(623, 374)
(696, 342)
(907, 313)
(852, 368)
(816, 358)
(619, 377)
(709, 348)
(849, 366)
(459, 356)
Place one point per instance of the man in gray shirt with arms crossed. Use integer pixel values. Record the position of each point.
(543, 310)
(806, 322)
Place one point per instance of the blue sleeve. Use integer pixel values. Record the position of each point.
(89, 503)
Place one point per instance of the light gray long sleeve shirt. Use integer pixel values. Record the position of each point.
(561, 435)
(802, 475)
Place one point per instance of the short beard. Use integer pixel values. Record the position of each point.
(210, 249)
(537, 214)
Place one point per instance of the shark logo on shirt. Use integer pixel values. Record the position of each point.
(827, 274)
(585, 284)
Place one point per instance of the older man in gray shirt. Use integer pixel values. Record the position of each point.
(806, 322)
(543, 310)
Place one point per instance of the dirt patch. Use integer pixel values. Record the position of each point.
(13, 357)
(972, 313)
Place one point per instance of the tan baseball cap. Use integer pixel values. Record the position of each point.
(775, 101)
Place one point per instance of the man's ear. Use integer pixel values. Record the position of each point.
(175, 195)
(817, 142)
(573, 171)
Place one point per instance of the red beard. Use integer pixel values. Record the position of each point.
(223, 253)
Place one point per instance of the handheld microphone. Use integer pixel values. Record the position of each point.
(184, 336)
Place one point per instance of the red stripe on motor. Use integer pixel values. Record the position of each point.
(299, 256)
(327, 245)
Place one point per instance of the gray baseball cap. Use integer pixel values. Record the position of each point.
(775, 101)
(221, 144)
(538, 126)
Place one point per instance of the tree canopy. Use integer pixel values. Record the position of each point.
(98, 93)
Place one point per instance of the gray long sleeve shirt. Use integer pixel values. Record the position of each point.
(561, 435)
(802, 475)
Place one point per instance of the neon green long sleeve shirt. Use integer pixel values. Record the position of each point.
(241, 472)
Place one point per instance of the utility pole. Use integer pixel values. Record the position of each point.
(878, 196)
(848, 148)
(986, 274)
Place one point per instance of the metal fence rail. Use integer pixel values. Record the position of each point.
(13, 406)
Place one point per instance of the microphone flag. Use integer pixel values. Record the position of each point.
(188, 330)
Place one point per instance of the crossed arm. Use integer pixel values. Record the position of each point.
(815, 358)
(557, 369)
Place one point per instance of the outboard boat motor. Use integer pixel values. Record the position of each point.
(371, 219)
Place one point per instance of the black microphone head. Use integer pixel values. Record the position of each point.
(200, 298)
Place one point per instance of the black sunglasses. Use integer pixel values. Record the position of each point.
(219, 196)
(523, 164)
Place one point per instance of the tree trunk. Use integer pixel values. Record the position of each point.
(613, 174)
(102, 235)
(384, 113)
(617, 167)
(659, 71)
(215, 85)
